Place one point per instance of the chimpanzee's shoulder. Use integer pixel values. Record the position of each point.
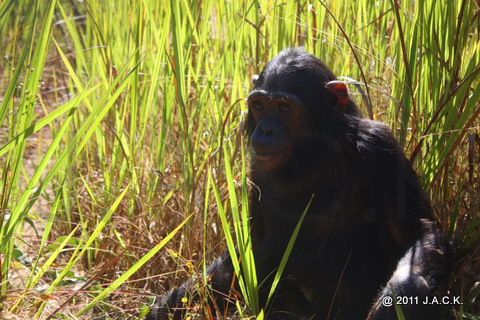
(375, 138)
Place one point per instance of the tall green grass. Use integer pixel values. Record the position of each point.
(120, 135)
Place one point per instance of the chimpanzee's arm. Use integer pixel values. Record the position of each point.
(417, 279)
(220, 278)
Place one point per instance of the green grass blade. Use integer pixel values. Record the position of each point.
(132, 270)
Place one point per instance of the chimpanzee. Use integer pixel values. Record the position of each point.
(368, 239)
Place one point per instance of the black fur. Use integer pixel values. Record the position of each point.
(369, 231)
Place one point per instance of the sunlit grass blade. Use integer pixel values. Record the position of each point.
(44, 268)
(228, 235)
(44, 121)
(242, 228)
(133, 269)
(35, 277)
(28, 99)
(19, 212)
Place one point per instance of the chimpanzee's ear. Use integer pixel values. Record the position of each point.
(338, 89)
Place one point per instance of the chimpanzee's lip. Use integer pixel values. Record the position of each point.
(266, 156)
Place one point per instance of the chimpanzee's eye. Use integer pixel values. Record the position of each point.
(283, 107)
(258, 106)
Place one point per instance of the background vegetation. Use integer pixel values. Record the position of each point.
(120, 127)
